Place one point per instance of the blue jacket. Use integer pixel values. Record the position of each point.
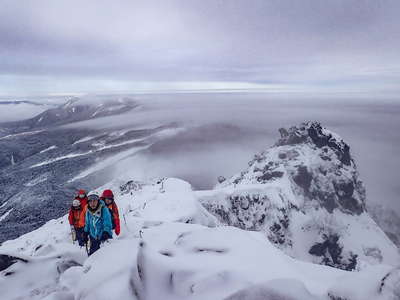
(99, 221)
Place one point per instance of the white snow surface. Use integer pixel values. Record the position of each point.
(48, 149)
(85, 139)
(10, 136)
(52, 160)
(170, 247)
(5, 215)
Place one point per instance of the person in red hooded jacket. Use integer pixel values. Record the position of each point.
(108, 198)
(82, 197)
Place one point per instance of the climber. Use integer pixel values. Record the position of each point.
(108, 198)
(98, 224)
(82, 197)
(76, 220)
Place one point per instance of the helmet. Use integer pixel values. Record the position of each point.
(81, 194)
(107, 194)
(93, 197)
(76, 203)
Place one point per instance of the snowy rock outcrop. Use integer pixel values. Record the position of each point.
(305, 195)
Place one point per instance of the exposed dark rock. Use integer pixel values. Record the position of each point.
(214, 250)
(7, 261)
(390, 284)
(331, 253)
(282, 155)
(38, 247)
(270, 175)
(303, 178)
(130, 186)
(166, 253)
(8, 273)
(314, 133)
(221, 179)
(283, 132)
(344, 192)
(329, 246)
(327, 200)
(333, 297)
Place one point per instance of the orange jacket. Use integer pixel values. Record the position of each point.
(115, 214)
(76, 217)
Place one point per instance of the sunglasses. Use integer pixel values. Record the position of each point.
(93, 198)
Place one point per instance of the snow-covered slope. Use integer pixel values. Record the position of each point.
(305, 195)
(172, 248)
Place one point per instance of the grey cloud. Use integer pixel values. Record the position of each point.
(308, 42)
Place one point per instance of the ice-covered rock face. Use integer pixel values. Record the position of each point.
(305, 194)
(317, 165)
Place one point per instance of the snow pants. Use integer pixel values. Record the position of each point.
(80, 236)
(94, 245)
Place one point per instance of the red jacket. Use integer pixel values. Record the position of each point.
(115, 214)
(82, 200)
(76, 217)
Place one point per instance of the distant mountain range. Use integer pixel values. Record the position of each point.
(43, 162)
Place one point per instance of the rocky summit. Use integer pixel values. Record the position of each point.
(305, 194)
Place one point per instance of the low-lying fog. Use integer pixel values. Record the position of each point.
(222, 131)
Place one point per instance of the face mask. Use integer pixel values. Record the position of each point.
(82, 196)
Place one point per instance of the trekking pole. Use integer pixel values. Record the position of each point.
(126, 224)
(87, 247)
(73, 235)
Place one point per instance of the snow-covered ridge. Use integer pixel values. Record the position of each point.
(172, 248)
(73, 110)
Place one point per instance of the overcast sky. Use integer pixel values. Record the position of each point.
(70, 46)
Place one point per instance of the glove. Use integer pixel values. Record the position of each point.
(73, 233)
(105, 236)
(85, 237)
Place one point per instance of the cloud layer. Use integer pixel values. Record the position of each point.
(54, 46)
